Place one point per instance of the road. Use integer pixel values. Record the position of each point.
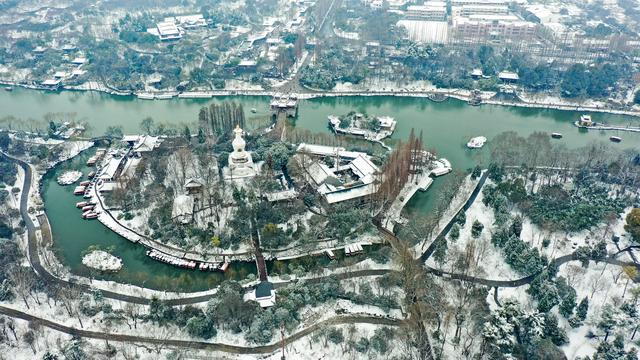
(34, 259)
(202, 345)
(351, 319)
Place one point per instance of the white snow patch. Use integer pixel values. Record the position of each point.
(102, 260)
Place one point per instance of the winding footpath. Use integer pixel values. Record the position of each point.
(41, 271)
(34, 259)
(201, 345)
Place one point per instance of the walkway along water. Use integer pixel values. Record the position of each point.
(34, 259)
(349, 319)
(440, 237)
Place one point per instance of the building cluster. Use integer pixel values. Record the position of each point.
(463, 21)
(338, 175)
(71, 68)
(547, 29)
(172, 28)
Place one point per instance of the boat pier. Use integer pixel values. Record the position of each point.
(597, 126)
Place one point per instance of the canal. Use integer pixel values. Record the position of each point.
(445, 127)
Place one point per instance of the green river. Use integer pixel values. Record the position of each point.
(446, 128)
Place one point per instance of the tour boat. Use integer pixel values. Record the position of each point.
(146, 96)
(224, 266)
(90, 215)
(476, 142)
(615, 139)
(556, 135)
(330, 254)
(164, 96)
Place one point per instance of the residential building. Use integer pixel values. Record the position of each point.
(467, 10)
(492, 27)
(433, 10)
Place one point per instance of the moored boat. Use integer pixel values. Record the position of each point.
(224, 266)
(253, 110)
(88, 207)
(615, 139)
(85, 183)
(8, 88)
(556, 135)
(82, 204)
(146, 96)
(79, 190)
(91, 175)
(90, 215)
(476, 142)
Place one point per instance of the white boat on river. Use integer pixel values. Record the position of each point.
(476, 142)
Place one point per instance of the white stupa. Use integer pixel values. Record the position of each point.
(240, 161)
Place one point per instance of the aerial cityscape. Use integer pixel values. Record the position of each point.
(320, 179)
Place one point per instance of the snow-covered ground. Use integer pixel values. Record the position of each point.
(488, 260)
(456, 204)
(384, 85)
(601, 283)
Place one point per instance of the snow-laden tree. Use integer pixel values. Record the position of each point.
(511, 331)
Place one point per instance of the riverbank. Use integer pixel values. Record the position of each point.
(527, 100)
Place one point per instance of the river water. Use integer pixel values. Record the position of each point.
(446, 127)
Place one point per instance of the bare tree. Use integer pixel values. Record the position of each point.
(23, 280)
(133, 312)
(69, 297)
(29, 338)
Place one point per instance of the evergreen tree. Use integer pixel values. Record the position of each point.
(201, 326)
(454, 233)
(476, 172)
(583, 307)
(187, 133)
(516, 225)
(599, 251)
(476, 229)
(568, 303)
(614, 350)
(553, 332)
(608, 320)
(201, 136)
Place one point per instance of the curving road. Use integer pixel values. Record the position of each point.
(202, 345)
(41, 271)
(34, 259)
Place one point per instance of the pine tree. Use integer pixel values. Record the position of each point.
(583, 307)
(568, 304)
(187, 133)
(607, 321)
(553, 332)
